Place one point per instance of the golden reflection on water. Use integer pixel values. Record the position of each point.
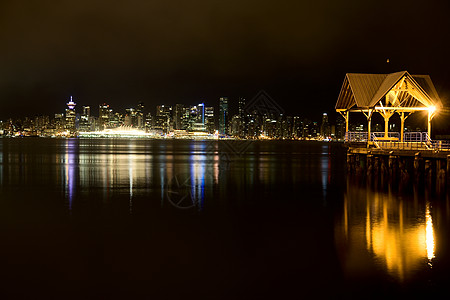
(382, 230)
(429, 234)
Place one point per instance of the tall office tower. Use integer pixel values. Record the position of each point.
(165, 110)
(140, 116)
(59, 122)
(241, 106)
(103, 115)
(315, 129)
(270, 127)
(185, 118)
(325, 129)
(148, 122)
(209, 119)
(85, 124)
(236, 126)
(197, 118)
(306, 130)
(297, 128)
(70, 116)
(178, 117)
(223, 115)
(192, 116)
(87, 111)
(201, 113)
(115, 119)
(287, 128)
(340, 127)
(163, 118)
(131, 118)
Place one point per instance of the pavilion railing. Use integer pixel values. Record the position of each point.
(416, 137)
(380, 135)
(356, 136)
(411, 140)
(361, 136)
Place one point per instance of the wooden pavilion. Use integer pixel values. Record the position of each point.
(388, 94)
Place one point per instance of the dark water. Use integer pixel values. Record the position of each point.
(102, 219)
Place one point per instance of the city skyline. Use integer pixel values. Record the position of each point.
(244, 121)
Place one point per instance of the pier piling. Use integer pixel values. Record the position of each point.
(431, 168)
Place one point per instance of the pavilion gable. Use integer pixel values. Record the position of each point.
(358, 90)
(402, 90)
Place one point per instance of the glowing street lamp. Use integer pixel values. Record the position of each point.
(431, 114)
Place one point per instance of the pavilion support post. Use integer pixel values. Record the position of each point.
(386, 126)
(402, 126)
(347, 114)
(429, 124)
(386, 115)
(403, 117)
(369, 125)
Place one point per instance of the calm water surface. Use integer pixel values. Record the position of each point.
(92, 219)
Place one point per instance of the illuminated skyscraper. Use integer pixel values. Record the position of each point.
(325, 129)
(340, 127)
(236, 126)
(178, 117)
(140, 116)
(201, 113)
(241, 106)
(131, 117)
(87, 111)
(297, 127)
(223, 115)
(163, 118)
(197, 118)
(104, 113)
(70, 116)
(185, 118)
(59, 122)
(209, 119)
(148, 122)
(85, 119)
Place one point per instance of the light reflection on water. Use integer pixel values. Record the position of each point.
(131, 167)
(382, 230)
(252, 214)
(325, 168)
(69, 165)
(375, 229)
(430, 244)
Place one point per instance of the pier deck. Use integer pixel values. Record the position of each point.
(399, 150)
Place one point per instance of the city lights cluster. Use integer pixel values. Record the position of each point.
(179, 122)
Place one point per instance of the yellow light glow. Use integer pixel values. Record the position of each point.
(399, 237)
(429, 234)
(432, 109)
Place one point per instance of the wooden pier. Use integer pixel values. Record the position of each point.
(428, 167)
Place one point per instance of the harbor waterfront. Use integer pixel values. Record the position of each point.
(221, 219)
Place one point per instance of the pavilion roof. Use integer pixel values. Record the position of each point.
(364, 91)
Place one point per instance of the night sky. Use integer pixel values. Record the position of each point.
(167, 52)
